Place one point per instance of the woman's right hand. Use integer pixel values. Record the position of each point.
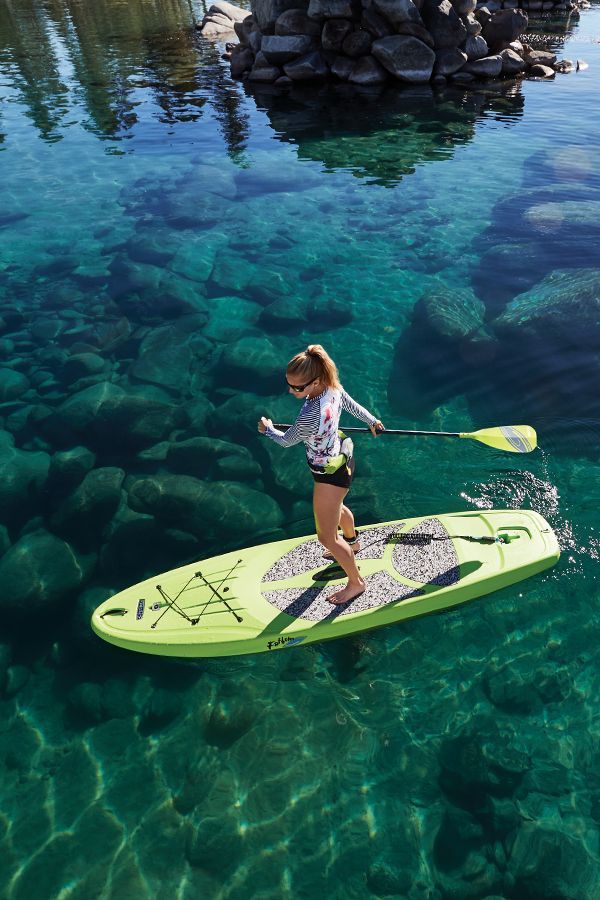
(376, 428)
(263, 424)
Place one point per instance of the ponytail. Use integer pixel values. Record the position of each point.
(315, 363)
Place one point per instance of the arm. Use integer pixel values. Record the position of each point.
(359, 412)
(304, 427)
(356, 410)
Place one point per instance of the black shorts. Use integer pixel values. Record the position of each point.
(342, 478)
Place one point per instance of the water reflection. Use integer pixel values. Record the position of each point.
(382, 134)
(105, 58)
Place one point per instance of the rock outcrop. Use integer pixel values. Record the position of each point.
(367, 42)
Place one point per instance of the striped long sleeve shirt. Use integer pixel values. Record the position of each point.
(317, 425)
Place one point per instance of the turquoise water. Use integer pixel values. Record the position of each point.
(168, 239)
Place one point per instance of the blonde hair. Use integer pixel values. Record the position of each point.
(316, 364)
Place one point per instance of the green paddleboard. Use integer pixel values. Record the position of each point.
(274, 596)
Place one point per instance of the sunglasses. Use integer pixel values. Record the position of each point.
(298, 388)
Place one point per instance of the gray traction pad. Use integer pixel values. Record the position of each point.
(311, 603)
(308, 556)
(431, 561)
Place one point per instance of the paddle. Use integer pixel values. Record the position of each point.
(512, 438)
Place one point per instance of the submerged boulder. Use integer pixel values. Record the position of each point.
(23, 474)
(453, 315)
(38, 575)
(252, 361)
(107, 415)
(209, 510)
(84, 515)
(564, 306)
(12, 384)
(546, 862)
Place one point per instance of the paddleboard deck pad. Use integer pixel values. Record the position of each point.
(274, 596)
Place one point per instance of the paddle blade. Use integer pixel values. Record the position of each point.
(513, 438)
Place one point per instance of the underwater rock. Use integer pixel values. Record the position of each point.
(285, 314)
(216, 844)
(327, 312)
(150, 295)
(39, 574)
(148, 246)
(4, 541)
(68, 468)
(169, 357)
(269, 283)
(140, 546)
(511, 691)
(81, 365)
(86, 512)
(564, 307)
(230, 718)
(80, 629)
(16, 678)
(545, 862)
(85, 704)
(230, 319)
(12, 384)
(196, 258)
(208, 510)
(23, 474)
(451, 315)
(252, 361)
(210, 458)
(385, 879)
(109, 417)
(237, 416)
(477, 765)
(230, 273)
(458, 834)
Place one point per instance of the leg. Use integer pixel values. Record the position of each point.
(347, 522)
(327, 504)
(348, 530)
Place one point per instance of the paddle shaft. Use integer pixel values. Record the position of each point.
(391, 431)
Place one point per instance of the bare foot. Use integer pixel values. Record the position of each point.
(350, 592)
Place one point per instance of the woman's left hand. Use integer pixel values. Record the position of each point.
(376, 428)
(263, 424)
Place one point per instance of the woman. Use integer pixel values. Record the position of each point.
(312, 376)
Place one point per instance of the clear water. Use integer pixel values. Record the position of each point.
(168, 240)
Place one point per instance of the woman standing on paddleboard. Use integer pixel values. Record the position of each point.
(312, 376)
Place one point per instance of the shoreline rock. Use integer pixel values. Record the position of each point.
(369, 42)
